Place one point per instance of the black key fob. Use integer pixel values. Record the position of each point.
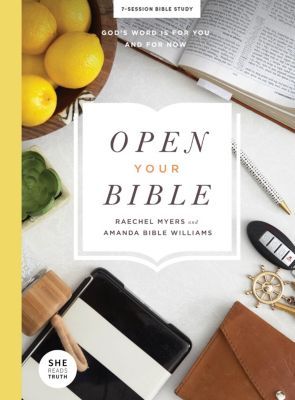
(272, 244)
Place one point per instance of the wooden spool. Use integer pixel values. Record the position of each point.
(42, 300)
(102, 19)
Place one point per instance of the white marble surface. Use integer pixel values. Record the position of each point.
(195, 296)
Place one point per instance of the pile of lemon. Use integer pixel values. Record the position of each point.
(57, 51)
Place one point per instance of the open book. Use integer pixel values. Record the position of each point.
(245, 47)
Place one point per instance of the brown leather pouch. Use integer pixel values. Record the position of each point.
(246, 359)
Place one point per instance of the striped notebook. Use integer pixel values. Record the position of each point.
(131, 352)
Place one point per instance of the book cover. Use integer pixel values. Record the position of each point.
(149, 187)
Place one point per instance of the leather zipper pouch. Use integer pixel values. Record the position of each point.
(247, 359)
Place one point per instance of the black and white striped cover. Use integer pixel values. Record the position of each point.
(131, 352)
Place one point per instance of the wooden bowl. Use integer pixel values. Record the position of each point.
(102, 19)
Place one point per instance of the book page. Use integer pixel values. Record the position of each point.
(162, 37)
(251, 45)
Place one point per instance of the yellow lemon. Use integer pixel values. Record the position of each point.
(34, 65)
(38, 100)
(70, 15)
(38, 28)
(74, 59)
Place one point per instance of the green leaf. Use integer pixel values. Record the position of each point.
(32, 155)
(44, 209)
(53, 181)
(40, 185)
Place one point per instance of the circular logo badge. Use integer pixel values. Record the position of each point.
(57, 369)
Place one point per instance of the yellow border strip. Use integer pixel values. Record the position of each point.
(10, 242)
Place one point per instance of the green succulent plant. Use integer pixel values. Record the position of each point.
(40, 185)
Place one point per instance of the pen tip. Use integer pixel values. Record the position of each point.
(284, 206)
